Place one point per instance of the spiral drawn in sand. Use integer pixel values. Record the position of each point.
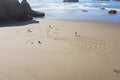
(77, 41)
(54, 33)
(38, 41)
(29, 31)
(9, 73)
(87, 43)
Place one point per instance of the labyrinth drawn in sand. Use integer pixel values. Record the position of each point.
(77, 41)
(87, 43)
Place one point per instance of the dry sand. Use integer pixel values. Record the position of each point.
(60, 50)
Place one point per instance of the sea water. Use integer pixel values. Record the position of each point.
(57, 9)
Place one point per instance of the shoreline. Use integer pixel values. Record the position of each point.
(98, 21)
(78, 14)
(38, 21)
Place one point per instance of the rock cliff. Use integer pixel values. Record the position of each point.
(12, 10)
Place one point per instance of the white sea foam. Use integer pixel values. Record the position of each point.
(73, 11)
(61, 5)
(68, 6)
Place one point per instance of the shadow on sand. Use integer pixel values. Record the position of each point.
(14, 24)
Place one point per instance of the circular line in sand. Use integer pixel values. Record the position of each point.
(54, 33)
(79, 42)
(47, 43)
(87, 43)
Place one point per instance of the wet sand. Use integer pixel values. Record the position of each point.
(60, 50)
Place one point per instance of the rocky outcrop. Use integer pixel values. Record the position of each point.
(27, 9)
(116, 0)
(102, 8)
(83, 10)
(12, 10)
(103, 0)
(112, 12)
(70, 0)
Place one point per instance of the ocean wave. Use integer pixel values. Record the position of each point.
(60, 6)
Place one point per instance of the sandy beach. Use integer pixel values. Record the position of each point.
(60, 50)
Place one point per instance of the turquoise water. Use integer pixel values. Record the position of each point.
(56, 9)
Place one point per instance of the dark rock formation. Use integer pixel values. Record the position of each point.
(12, 10)
(103, 0)
(70, 0)
(27, 9)
(112, 12)
(102, 8)
(83, 10)
(37, 14)
(116, 0)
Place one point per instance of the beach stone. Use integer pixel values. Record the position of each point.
(102, 8)
(71, 1)
(103, 0)
(116, 0)
(83, 10)
(13, 10)
(112, 11)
